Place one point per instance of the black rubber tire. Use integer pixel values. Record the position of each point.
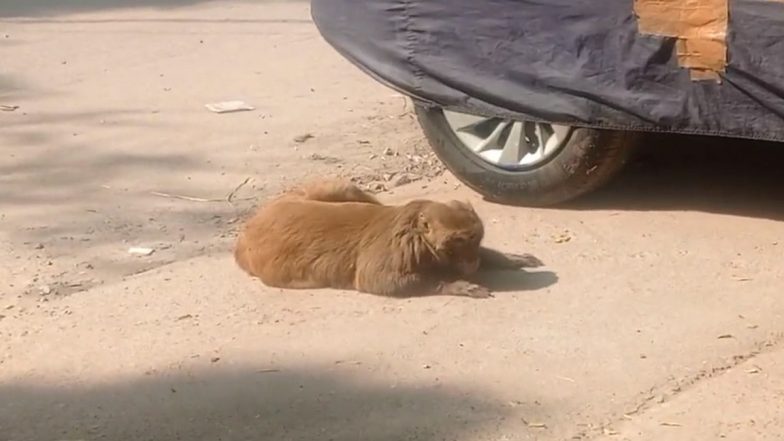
(590, 158)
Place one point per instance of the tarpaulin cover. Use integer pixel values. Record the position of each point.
(578, 62)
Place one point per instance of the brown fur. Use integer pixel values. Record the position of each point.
(335, 190)
(334, 235)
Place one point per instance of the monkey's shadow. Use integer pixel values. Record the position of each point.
(515, 280)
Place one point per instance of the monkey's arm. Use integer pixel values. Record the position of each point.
(415, 285)
(492, 259)
(463, 288)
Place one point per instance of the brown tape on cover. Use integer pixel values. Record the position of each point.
(700, 27)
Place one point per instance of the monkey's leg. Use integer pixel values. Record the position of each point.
(492, 259)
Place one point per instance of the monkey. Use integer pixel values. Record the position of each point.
(334, 235)
(338, 190)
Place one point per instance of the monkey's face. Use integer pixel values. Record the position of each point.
(454, 232)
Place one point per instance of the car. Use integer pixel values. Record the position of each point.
(537, 103)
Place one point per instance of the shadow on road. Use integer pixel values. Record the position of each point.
(64, 176)
(60, 194)
(714, 175)
(49, 8)
(310, 404)
(10, 89)
(516, 281)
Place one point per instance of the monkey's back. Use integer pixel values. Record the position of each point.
(294, 243)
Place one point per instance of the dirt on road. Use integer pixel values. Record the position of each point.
(658, 315)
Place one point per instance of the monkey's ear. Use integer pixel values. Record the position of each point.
(422, 223)
(462, 205)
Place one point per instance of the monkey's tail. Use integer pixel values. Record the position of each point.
(241, 256)
(336, 190)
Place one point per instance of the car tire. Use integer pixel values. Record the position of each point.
(588, 159)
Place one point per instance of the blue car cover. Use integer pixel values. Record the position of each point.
(617, 64)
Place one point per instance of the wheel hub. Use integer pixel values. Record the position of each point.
(506, 143)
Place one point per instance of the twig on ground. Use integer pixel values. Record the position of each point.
(230, 198)
(182, 197)
(231, 195)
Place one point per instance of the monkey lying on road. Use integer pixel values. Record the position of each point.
(334, 235)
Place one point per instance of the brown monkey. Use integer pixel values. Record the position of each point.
(334, 235)
(338, 190)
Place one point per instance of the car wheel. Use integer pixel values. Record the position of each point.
(523, 162)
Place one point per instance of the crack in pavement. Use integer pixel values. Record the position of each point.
(672, 389)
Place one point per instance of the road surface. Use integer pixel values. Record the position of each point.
(658, 315)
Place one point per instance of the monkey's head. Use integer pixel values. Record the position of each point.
(453, 232)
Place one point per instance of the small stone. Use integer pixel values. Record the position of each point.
(215, 359)
(377, 186)
(400, 179)
(562, 237)
(302, 138)
(46, 290)
(389, 152)
(325, 159)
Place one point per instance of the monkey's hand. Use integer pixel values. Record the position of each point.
(492, 259)
(465, 289)
(524, 260)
